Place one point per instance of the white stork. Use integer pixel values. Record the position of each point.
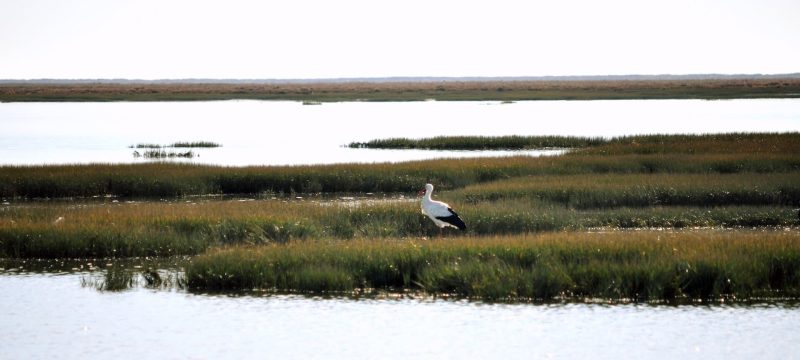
(441, 213)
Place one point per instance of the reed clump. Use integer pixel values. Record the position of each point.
(195, 144)
(621, 266)
(179, 144)
(115, 278)
(146, 146)
(513, 142)
(161, 154)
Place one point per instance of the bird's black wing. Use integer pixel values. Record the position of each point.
(453, 219)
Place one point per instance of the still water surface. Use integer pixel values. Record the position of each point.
(289, 133)
(53, 316)
(48, 315)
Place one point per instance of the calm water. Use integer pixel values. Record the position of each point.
(283, 132)
(54, 316)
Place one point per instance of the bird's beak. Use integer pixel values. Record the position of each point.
(421, 192)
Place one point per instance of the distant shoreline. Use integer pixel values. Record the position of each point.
(395, 79)
(409, 89)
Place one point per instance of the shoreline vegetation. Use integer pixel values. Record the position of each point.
(734, 153)
(646, 266)
(315, 92)
(656, 218)
(642, 144)
(512, 142)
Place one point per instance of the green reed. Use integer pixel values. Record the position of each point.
(626, 266)
(114, 278)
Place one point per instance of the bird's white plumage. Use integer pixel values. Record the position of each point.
(435, 209)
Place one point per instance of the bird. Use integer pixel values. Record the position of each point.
(441, 213)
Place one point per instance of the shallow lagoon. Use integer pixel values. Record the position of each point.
(47, 315)
(290, 133)
(52, 314)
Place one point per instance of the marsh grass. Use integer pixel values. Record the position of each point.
(642, 190)
(517, 217)
(768, 87)
(663, 154)
(169, 180)
(622, 266)
(729, 180)
(157, 228)
(725, 143)
(729, 143)
(513, 142)
(166, 229)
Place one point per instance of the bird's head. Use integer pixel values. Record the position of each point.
(427, 189)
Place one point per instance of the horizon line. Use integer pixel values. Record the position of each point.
(698, 76)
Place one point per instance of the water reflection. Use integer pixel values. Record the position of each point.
(119, 278)
(168, 274)
(46, 316)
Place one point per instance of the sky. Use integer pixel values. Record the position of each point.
(306, 39)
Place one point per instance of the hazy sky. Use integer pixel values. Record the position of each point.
(152, 39)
